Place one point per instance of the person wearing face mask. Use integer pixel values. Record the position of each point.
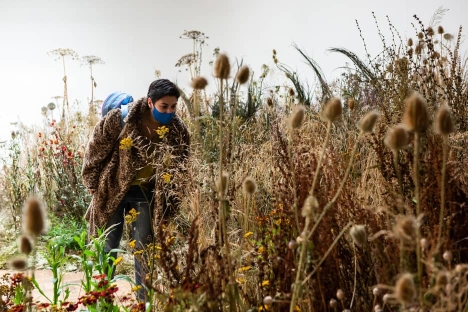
(135, 166)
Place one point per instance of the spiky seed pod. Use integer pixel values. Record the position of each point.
(441, 279)
(430, 31)
(249, 186)
(418, 49)
(351, 103)
(367, 123)
(243, 74)
(406, 227)
(222, 67)
(416, 117)
(333, 303)
(309, 207)
(443, 121)
(19, 263)
(396, 138)
(420, 35)
(34, 218)
(405, 290)
(340, 294)
(448, 256)
(359, 235)
(440, 30)
(333, 109)
(199, 83)
(222, 183)
(25, 244)
(268, 300)
(297, 117)
(410, 42)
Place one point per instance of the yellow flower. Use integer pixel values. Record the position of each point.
(166, 177)
(138, 252)
(132, 244)
(170, 240)
(265, 283)
(240, 280)
(126, 143)
(243, 269)
(161, 131)
(136, 288)
(260, 249)
(247, 234)
(117, 261)
(131, 216)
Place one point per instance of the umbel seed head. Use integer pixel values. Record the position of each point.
(405, 290)
(199, 83)
(359, 235)
(396, 138)
(416, 117)
(333, 109)
(367, 123)
(443, 121)
(222, 67)
(297, 117)
(243, 74)
(34, 218)
(249, 185)
(25, 244)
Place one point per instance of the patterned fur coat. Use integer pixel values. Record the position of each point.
(109, 169)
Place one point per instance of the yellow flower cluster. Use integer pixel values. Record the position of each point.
(131, 216)
(162, 131)
(166, 177)
(126, 143)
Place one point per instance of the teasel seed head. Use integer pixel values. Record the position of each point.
(367, 123)
(440, 30)
(222, 67)
(359, 235)
(333, 109)
(416, 117)
(291, 92)
(333, 303)
(222, 183)
(269, 102)
(19, 263)
(34, 218)
(448, 256)
(243, 74)
(405, 290)
(406, 227)
(25, 244)
(430, 31)
(410, 42)
(340, 294)
(351, 103)
(249, 186)
(268, 300)
(443, 121)
(420, 35)
(441, 279)
(418, 49)
(297, 117)
(309, 206)
(199, 83)
(396, 138)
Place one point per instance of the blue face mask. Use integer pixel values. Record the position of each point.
(163, 118)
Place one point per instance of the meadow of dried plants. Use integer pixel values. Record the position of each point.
(347, 196)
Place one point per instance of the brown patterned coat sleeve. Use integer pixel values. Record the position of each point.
(100, 145)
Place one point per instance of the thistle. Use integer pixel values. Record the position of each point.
(367, 123)
(396, 138)
(416, 117)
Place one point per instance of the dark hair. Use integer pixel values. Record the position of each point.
(161, 88)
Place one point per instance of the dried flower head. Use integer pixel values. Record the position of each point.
(243, 74)
(420, 35)
(396, 138)
(333, 109)
(291, 92)
(410, 42)
(368, 121)
(440, 30)
(222, 183)
(199, 83)
(340, 294)
(351, 103)
(249, 186)
(448, 37)
(297, 117)
(269, 102)
(309, 207)
(19, 263)
(333, 303)
(441, 279)
(418, 49)
(25, 244)
(443, 121)
(359, 235)
(405, 290)
(416, 117)
(448, 256)
(376, 291)
(406, 228)
(430, 31)
(222, 67)
(34, 218)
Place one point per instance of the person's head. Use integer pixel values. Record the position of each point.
(162, 100)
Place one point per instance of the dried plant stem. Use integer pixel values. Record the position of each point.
(322, 155)
(442, 191)
(355, 276)
(418, 204)
(400, 180)
(291, 163)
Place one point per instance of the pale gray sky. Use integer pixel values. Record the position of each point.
(136, 37)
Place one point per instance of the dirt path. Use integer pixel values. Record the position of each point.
(44, 278)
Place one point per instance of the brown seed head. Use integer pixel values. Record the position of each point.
(297, 117)
(333, 109)
(448, 37)
(359, 235)
(441, 279)
(309, 207)
(333, 303)
(367, 123)
(396, 138)
(443, 121)
(269, 102)
(406, 228)
(351, 103)
(291, 92)
(243, 74)
(448, 256)
(405, 290)
(25, 244)
(430, 31)
(410, 42)
(19, 263)
(418, 49)
(340, 294)
(249, 185)
(199, 83)
(416, 117)
(34, 218)
(440, 30)
(222, 67)
(222, 183)
(420, 35)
